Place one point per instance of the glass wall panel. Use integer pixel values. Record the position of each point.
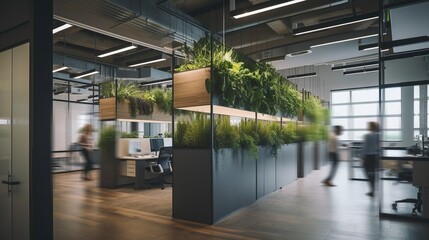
(392, 94)
(365, 109)
(416, 121)
(340, 97)
(60, 126)
(358, 135)
(389, 135)
(392, 108)
(365, 95)
(362, 122)
(392, 123)
(344, 122)
(416, 107)
(340, 110)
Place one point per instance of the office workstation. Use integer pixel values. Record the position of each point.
(139, 158)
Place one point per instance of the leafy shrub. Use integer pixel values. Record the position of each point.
(133, 134)
(107, 135)
(227, 136)
(194, 133)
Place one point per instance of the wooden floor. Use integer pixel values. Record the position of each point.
(303, 210)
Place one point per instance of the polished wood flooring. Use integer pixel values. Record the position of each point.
(304, 210)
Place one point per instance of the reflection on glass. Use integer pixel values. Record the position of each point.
(340, 97)
(340, 111)
(392, 94)
(365, 109)
(391, 108)
(365, 95)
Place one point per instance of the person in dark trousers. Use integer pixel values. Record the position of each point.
(333, 154)
(370, 154)
(85, 141)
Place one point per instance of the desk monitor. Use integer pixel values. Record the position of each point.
(168, 142)
(134, 146)
(156, 144)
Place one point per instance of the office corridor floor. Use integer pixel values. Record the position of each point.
(303, 210)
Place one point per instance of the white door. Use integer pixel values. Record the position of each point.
(14, 143)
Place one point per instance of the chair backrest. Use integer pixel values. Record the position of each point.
(164, 158)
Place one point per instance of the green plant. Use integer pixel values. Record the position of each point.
(239, 82)
(133, 134)
(193, 133)
(163, 99)
(140, 102)
(248, 136)
(107, 135)
(227, 136)
(289, 133)
(168, 134)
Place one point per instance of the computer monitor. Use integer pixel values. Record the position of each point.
(134, 147)
(421, 142)
(156, 144)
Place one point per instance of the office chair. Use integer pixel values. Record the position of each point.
(406, 175)
(162, 167)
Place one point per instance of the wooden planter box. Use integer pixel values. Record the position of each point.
(190, 88)
(108, 107)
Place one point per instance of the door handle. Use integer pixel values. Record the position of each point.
(10, 182)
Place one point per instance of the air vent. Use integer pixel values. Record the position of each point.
(300, 53)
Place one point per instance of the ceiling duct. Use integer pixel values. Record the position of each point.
(142, 74)
(178, 24)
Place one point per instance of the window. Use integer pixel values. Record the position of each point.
(353, 109)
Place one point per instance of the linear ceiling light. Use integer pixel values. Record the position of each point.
(148, 61)
(60, 69)
(61, 28)
(371, 46)
(116, 50)
(312, 74)
(366, 70)
(262, 7)
(335, 23)
(85, 74)
(350, 66)
(345, 40)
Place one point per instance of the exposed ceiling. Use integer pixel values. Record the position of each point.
(158, 26)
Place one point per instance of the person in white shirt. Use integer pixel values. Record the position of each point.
(333, 154)
(370, 153)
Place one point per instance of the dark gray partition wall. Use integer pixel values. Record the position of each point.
(266, 172)
(192, 191)
(305, 158)
(286, 165)
(323, 153)
(108, 166)
(234, 177)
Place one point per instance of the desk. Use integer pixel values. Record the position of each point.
(420, 172)
(135, 167)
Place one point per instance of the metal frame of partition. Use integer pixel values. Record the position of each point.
(383, 57)
(56, 165)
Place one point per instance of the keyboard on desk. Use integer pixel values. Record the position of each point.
(150, 156)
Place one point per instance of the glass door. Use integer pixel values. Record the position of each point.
(14, 143)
